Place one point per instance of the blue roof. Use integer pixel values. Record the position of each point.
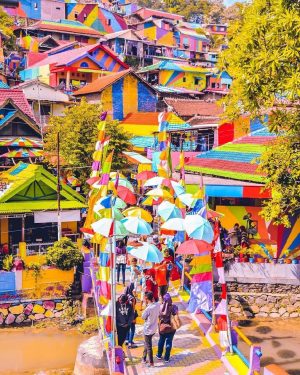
(3, 85)
(228, 155)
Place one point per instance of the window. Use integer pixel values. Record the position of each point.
(197, 81)
(65, 37)
(76, 15)
(213, 85)
(84, 65)
(184, 79)
(35, 6)
(45, 109)
(108, 21)
(57, 8)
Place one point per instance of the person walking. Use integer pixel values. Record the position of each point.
(161, 278)
(166, 329)
(124, 317)
(121, 260)
(150, 282)
(129, 292)
(150, 316)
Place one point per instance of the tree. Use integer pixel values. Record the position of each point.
(234, 12)
(64, 254)
(6, 24)
(78, 136)
(264, 59)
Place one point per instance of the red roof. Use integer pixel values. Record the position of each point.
(64, 26)
(146, 13)
(18, 97)
(193, 107)
(145, 118)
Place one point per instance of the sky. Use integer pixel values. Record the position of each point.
(230, 2)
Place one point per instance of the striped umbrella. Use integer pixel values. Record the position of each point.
(21, 142)
(23, 153)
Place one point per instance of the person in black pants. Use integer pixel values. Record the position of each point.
(121, 260)
(124, 317)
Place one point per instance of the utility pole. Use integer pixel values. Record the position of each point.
(58, 189)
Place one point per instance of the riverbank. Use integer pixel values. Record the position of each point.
(44, 350)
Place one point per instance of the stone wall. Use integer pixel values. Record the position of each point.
(264, 300)
(26, 312)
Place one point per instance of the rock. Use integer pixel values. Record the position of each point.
(234, 303)
(235, 309)
(1, 318)
(291, 309)
(294, 315)
(58, 314)
(255, 309)
(38, 309)
(285, 302)
(39, 316)
(20, 318)
(297, 304)
(18, 309)
(49, 314)
(10, 319)
(261, 315)
(28, 309)
(4, 312)
(271, 299)
(248, 314)
(59, 306)
(285, 315)
(266, 308)
(274, 315)
(49, 305)
(260, 302)
(282, 310)
(31, 317)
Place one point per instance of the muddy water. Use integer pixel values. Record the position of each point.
(279, 339)
(39, 351)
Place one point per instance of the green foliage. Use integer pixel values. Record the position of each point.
(71, 312)
(6, 24)
(89, 325)
(64, 254)
(78, 135)
(8, 262)
(263, 58)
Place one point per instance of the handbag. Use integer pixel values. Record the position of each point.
(175, 322)
(165, 328)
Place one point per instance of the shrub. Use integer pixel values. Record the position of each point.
(89, 325)
(8, 262)
(64, 254)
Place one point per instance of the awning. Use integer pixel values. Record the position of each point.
(51, 216)
(136, 158)
(43, 205)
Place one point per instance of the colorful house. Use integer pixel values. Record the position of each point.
(96, 17)
(144, 13)
(120, 94)
(219, 83)
(189, 39)
(28, 205)
(167, 73)
(216, 29)
(74, 68)
(158, 30)
(50, 10)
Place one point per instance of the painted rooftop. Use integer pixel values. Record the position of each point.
(169, 65)
(18, 97)
(235, 160)
(66, 26)
(145, 13)
(194, 107)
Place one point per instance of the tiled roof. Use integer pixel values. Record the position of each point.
(101, 83)
(170, 65)
(67, 26)
(18, 97)
(3, 85)
(146, 13)
(193, 107)
(151, 118)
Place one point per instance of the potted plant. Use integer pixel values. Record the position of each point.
(8, 263)
(64, 254)
(236, 252)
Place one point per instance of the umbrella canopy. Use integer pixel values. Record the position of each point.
(114, 175)
(210, 214)
(23, 153)
(21, 142)
(127, 195)
(108, 201)
(147, 252)
(138, 212)
(137, 225)
(107, 212)
(105, 228)
(159, 193)
(199, 228)
(145, 175)
(168, 211)
(177, 224)
(166, 182)
(151, 201)
(194, 247)
(187, 199)
(125, 183)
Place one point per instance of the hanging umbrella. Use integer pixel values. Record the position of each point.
(114, 175)
(194, 247)
(107, 212)
(125, 183)
(104, 227)
(177, 224)
(166, 182)
(136, 225)
(108, 201)
(211, 214)
(23, 153)
(145, 175)
(199, 228)
(127, 195)
(134, 243)
(151, 201)
(147, 252)
(21, 142)
(73, 181)
(160, 193)
(93, 180)
(138, 212)
(187, 199)
(168, 211)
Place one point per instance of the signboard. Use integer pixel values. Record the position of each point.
(51, 216)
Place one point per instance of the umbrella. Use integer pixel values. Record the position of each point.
(104, 227)
(194, 247)
(177, 224)
(187, 199)
(127, 195)
(107, 212)
(211, 214)
(168, 211)
(93, 180)
(114, 175)
(134, 243)
(159, 193)
(145, 175)
(138, 212)
(147, 252)
(151, 201)
(199, 228)
(107, 311)
(108, 201)
(73, 181)
(137, 225)
(23, 153)
(167, 182)
(124, 182)
(21, 142)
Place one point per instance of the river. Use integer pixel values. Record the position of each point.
(31, 350)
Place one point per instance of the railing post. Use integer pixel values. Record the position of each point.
(254, 363)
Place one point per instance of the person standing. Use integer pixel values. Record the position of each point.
(121, 260)
(166, 331)
(161, 278)
(235, 235)
(150, 282)
(129, 292)
(150, 316)
(124, 317)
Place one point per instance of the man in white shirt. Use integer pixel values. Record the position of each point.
(150, 316)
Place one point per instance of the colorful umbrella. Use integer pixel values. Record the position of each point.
(177, 224)
(168, 211)
(199, 228)
(73, 181)
(166, 182)
(93, 180)
(105, 228)
(127, 195)
(108, 201)
(124, 182)
(159, 193)
(210, 214)
(187, 199)
(151, 201)
(114, 175)
(137, 225)
(107, 212)
(23, 153)
(147, 252)
(138, 212)
(194, 247)
(21, 142)
(145, 175)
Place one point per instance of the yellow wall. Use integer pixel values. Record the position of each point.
(70, 225)
(130, 95)
(106, 100)
(150, 33)
(4, 230)
(185, 80)
(48, 276)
